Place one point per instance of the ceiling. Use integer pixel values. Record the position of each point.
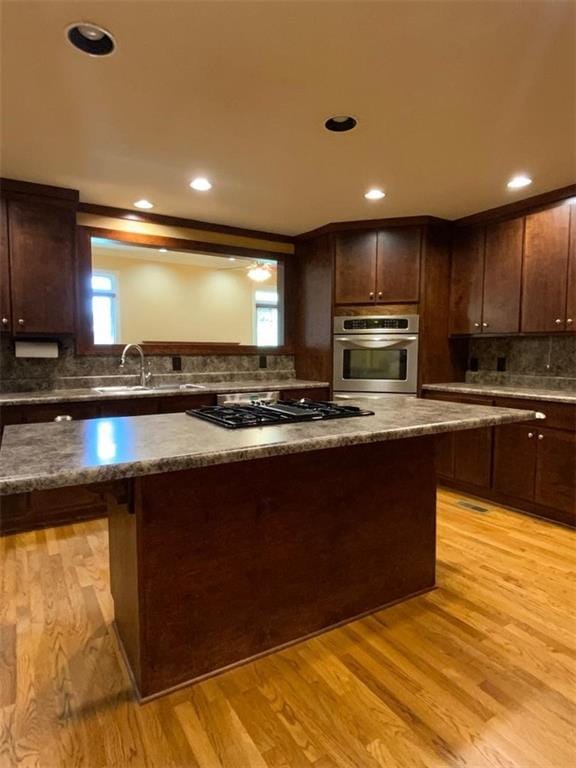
(452, 99)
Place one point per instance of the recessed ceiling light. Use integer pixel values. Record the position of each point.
(340, 123)
(91, 39)
(143, 204)
(517, 182)
(375, 194)
(201, 184)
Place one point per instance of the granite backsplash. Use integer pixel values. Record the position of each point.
(69, 371)
(542, 362)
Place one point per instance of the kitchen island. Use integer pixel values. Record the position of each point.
(225, 545)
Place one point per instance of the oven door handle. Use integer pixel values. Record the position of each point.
(376, 343)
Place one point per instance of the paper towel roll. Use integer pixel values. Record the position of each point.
(36, 349)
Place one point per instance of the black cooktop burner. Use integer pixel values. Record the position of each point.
(285, 412)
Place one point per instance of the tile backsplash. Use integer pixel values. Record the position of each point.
(532, 361)
(69, 371)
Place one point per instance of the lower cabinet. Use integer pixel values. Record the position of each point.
(527, 466)
(60, 506)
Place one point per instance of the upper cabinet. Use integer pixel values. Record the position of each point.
(515, 275)
(502, 276)
(546, 263)
(378, 267)
(5, 304)
(355, 275)
(38, 254)
(467, 280)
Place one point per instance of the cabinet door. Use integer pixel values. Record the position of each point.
(398, 265)
(473, 456)
(355, 268)
(41, 266)
(546, 244)
(467, 280)
(502, 276)
(515, 460)
(571, 295)
(5, 309)
(555, 471)
(445, 455)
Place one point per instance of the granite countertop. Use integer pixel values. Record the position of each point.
(495, 390)
(51, 455)
(77, 395)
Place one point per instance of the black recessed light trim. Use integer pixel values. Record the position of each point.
(100, 46)
(340, 123)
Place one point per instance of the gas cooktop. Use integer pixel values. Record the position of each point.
(285, 412)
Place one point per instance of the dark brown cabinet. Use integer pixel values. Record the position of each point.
(571, 293)
(41, 258)
(556, 471)
(486, 278)
(355, 273)
(546, 266)
(515, 460)
(467, 280)
(5, 304)
(502, 276)
(532, 467)
(378, 267)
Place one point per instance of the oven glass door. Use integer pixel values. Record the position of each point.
(375, 364)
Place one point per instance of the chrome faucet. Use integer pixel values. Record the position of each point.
(145, 375)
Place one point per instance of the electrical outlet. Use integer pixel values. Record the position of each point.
(501, 364)
(177, 363)
(262, 361)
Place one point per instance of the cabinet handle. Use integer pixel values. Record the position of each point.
(371, 294)
(569, 320)
(4, 321)
(484, 325)
(558, 320)
(20, 321)
(476, 325)
(63, 417)
(540, 437)
(530, 435)
(379, 294)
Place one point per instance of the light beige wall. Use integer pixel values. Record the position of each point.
(176, 302)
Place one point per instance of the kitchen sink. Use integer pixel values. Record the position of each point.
(124, 389)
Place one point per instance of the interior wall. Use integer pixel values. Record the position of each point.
(178, 302)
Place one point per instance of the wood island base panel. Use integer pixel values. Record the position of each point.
(213, 566)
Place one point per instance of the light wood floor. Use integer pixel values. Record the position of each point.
(478, 673)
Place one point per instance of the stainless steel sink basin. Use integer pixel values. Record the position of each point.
(124, 389)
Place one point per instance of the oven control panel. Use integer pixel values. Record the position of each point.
(390, 323)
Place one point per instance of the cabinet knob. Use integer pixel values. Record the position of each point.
(63, 417)
(20, 321)
(540, 437)
(371, 294)
(379, 294)
(476, 325)
(530, 435)
(484, 325)
(569, 320)
(558, 321)
(4, 321)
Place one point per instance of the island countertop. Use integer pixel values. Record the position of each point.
(500, 390)
(52, 455)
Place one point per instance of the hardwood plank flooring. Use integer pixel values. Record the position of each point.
(478, 673)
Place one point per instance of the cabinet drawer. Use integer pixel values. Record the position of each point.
(456, 398)
(558, 415)
(34, 414)
(142, 406)
(310, 394)
(181, 403)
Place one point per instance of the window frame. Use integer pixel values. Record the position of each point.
(112, 294)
